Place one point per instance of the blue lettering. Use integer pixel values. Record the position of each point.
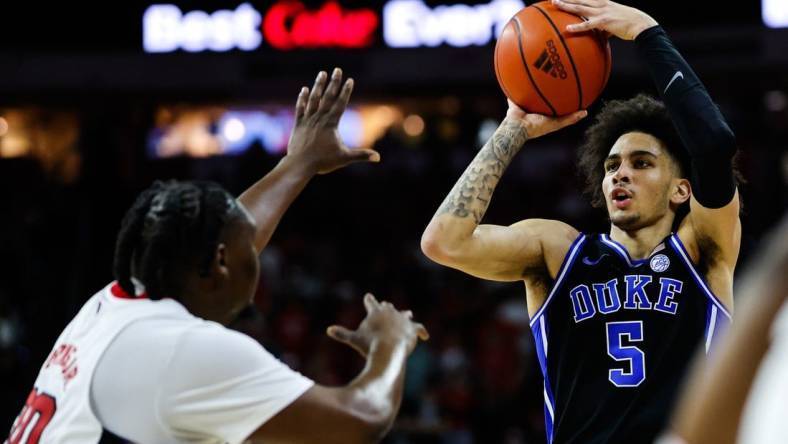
(614, 303)
(667, 289)
(636, 297)
(582, 303)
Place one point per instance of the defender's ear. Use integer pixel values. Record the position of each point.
(219, 262)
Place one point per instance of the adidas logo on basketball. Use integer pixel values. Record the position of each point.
(550, 62)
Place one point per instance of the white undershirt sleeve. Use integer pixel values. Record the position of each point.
(221, 385)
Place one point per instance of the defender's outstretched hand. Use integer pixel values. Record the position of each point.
(383, 323)
(613, 18)
(315, 138)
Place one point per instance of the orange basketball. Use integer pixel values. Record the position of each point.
(547, 70)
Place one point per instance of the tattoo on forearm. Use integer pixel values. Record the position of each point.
(472, 193)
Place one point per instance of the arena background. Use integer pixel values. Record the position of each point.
(88, 118)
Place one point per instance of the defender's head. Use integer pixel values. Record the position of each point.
(193, 242)
(634, 164)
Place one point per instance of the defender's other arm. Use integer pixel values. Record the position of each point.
(362, 411)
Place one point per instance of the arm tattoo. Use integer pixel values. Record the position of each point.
(472, 193)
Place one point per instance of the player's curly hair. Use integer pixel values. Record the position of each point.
(641, 113)
(172, 228)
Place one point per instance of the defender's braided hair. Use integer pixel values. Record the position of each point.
(173, 227)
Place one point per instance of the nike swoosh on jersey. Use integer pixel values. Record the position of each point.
(678, 75)
(591, 262)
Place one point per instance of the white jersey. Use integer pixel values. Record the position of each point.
(151, 372)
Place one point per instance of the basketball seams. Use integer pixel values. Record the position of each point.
(517, 27)
(568, 54)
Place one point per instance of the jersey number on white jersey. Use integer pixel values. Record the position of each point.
(31, 422)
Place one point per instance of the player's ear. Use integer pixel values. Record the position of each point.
(219, 263)
(681, 191)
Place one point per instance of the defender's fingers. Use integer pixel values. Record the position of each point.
(362, 155)
(421, 331)
(345, 336)
(370, 303)
(317, 92)
(332, 90)
(301, 103)
(344, 97)
(340, 333)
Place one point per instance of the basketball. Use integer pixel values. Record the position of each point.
(545, 69)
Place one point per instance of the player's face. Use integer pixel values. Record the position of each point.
(640, 180)
(242, 264)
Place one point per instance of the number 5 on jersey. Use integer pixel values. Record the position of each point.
(634, 372)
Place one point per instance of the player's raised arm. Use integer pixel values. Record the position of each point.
(713, 222)
(314, 148)
(455, 236)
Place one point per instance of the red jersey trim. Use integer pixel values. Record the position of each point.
(119, 292)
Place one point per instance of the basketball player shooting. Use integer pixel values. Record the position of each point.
(615, 316)
(147, 357)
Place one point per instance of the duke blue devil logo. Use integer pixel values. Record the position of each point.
(659, 263)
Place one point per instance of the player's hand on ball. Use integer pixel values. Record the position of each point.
(538, 124)
(613, 18)
(383, 323)
(315, 138)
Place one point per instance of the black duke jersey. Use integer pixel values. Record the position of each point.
(614, 338)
